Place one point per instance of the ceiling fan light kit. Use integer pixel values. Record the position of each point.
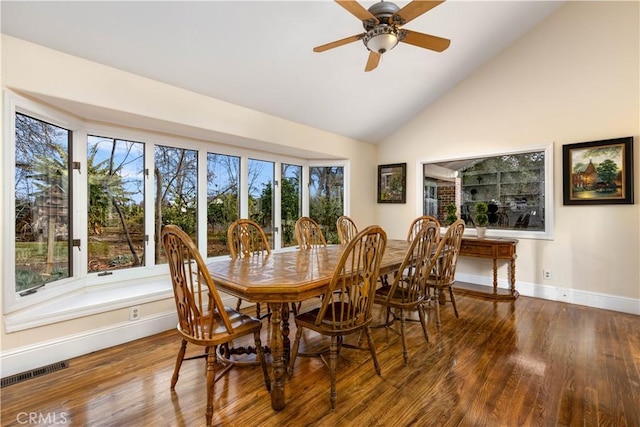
(382, 23)
(382, 38)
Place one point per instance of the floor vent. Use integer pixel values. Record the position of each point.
(17, 378)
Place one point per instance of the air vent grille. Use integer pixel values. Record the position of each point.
(23, 376)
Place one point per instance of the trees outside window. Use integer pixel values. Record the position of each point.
(261, 176)
(176, 192)
(42, 203)
(326, 198)
(223, 201)
(115, 211)
(291, 202)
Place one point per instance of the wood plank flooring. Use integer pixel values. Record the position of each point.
(528, 363)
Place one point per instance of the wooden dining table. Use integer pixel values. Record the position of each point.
(285, 277)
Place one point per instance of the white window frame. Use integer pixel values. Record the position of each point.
(547, 234)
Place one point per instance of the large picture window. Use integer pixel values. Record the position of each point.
(514, 186)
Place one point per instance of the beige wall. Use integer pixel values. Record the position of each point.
(110, 95)
(574, 78)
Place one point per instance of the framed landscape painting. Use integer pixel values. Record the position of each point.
(392, 183)
(598, 172)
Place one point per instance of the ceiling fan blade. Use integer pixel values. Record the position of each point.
(412, 10)
(338, 43)
(426, 41)
(372, 62)
(357, 10)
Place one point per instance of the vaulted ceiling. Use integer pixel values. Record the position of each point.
(258, 54)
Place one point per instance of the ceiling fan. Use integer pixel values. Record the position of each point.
(382, 23)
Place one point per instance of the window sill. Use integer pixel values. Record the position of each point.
(89, 301)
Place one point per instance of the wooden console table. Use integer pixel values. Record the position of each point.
(494, 249)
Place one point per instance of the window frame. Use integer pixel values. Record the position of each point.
(547, 234)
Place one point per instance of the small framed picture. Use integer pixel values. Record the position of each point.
(392, 183)
(598, 172)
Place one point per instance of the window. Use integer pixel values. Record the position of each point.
(326, 198)
(515, 186)
(124, 185)
(223, 201)
(176, 186)
(42, 203)
(291, 202)
(115, 206)
(261, 195)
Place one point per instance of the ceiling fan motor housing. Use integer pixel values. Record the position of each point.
(382, 11)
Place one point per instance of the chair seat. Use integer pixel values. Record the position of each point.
(397, 300)
(327, 326)
(242, 324)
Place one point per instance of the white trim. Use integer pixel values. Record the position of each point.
(555, 293)
(45, 353)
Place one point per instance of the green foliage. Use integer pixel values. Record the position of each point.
(452, 213)
(481, 218)
(607, 171)
(185, 218)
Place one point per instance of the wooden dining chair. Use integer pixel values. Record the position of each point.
(347, 302)
(308, 233)
(246, 238)
(443, 268)
(347, 229)
(203, 320)
(408, 291)
(417, 224)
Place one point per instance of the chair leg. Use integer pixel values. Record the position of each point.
(372, 349)
(436, 302)
(211, 362)
(294, 350)
(261, 359)
(423, 321)
(238, 304)
(179, 359)
(453, 302)
(333, 361)
(403, 324)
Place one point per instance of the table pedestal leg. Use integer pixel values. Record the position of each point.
(495, 276)
(279, 369)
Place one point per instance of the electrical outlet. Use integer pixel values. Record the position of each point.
(134, 313)
(546, 274)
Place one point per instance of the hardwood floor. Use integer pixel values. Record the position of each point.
(532, 362)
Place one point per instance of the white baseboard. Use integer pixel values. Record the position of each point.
(554, 293)
(34, 356)
(45, 353)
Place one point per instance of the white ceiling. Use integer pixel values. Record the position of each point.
(258, 54)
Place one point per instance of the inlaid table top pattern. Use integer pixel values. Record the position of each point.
(284, 277)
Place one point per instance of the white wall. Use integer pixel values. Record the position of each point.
(574, 78)
(101, 93)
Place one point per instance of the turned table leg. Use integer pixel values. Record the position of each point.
(277, 354)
